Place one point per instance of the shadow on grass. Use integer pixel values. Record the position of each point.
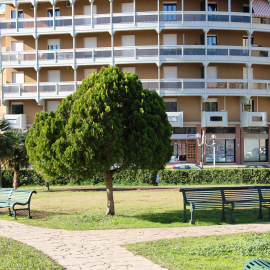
(204, 217)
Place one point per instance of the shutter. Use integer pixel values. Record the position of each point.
(170, 39)
(170, 72)
(87, 10)
(52, 105)
(212, 73)
(17, 46)
(128, 40)
(54, 76)
(127, 7)
(89, 71)
(53, 42)
(18, 77)
(90, 42)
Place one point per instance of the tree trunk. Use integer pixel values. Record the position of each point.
(16, 176)
(47, 185)
(109, 188)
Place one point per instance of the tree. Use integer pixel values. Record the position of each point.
(6, 141)
(109, 120)
(18, 157)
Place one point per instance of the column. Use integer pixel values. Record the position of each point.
(199, 148)
(158, 10)
(182, 11)
(74, 62)
(229, 9)
(205, 80)
(237, 144)
(38, 97)
(92, 4)
(268, 143)
(72, 14)
(112, 44)
(35, 16)
(36, 45)
(134, 12)
(16, 15)
(53, 16)
(75, 79)
(1, 70)
(242, 144)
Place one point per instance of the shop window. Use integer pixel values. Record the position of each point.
(256, 130)
(17, 108)
(169, 7)
(211, 106)
(184, 130)
(220, 130)
(171, 106)
(255, 150)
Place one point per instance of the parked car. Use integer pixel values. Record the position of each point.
(186, 167)
(257, 166)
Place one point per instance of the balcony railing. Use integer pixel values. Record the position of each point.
(253, 119)
(118, 19)
(16, 121)
(176, 119)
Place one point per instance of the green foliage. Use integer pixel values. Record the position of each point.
(6, 140)
(131, 177)
(109, 120)
(18, 256)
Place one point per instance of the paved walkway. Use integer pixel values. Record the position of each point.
(101, 249)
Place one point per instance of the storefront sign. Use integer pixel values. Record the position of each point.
(183, 136)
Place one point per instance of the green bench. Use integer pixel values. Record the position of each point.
(226, 198)
(9, 198)
(257, 264)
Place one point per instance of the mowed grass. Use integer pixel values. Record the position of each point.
(18, 256)
(229, 252)
(84, 208)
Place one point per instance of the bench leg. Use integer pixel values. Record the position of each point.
(223, 218)
(184, 219)
(192, 221)
(269, 214)
(9, 213)
(14, 214)
(232, 218)
(260, 215)
(29, 216)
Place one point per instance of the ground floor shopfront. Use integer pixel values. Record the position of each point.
(232, 145)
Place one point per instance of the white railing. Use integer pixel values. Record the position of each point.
(176, 119)
(253, 119)
(16, 121)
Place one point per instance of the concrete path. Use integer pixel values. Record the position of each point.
(101, 249)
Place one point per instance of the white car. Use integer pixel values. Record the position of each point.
(186, 167)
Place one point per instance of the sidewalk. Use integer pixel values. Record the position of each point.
(101, 249)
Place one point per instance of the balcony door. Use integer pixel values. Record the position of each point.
(90, 42)
(128, 41)
(52, 105)
(54, 76)
(16, 46)
(87, 10)
(169, 7)
(18, 77)
(127, 7)
(89, 71)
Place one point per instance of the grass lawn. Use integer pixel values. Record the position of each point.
(83, 208)
(18, 256)
(228, 252)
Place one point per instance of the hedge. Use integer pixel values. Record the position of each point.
(175, 177)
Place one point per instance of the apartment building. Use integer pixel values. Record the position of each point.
(209, 60)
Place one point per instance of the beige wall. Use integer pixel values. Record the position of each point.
(28, 41)
(142, 38)
(185, 70)
(80, 71)
(229, 71)
(229, 38)
(66, 41)
(144, 71)
(103, 39)
(263, 103)
(190, 106)
(237, 6)
(261, 72)
(144, 6)
(46, 102)
(67, 74)
(233, 108)
(30, 75)
(30, 108)
(261, 38)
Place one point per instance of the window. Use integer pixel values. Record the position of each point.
(255, 150)
(212, 40)
(256, 130)
(248, 106)
(53, 44)
(171, 106)
(245, 41)
(50, 14)
(184, 130)
(169, 7)
(13, 14)
(220, 130)
(17, 108)
(211, 106)
(212, 6)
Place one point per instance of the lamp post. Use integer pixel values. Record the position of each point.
(214, 149)
(203, 139)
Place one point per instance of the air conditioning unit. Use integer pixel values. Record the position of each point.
(68, 4)
(31, 6)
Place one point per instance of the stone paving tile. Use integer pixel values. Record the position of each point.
(101, 249)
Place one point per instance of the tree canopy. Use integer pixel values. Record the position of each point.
(109, 120)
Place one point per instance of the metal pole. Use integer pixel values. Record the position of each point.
(202, 153)
(214, 153)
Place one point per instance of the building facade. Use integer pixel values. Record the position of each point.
(209, 60)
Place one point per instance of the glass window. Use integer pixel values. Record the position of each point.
(50, 12)
(251, 150)
(212, 40)
(171, 106)
(179, 130)
(248, 106)
(220, 130)
(263, 155)
(17, 108)
(211, 106)
(53, 47)
(212, 7)
(245, 41)
(169, 7)
(13, 14)
(190, 130)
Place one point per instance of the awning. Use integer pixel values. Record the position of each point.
(261, 8)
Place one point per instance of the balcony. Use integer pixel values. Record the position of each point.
(253, 119)
(176, 119)
(122, 21)
(16, 121)
(214, 119)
